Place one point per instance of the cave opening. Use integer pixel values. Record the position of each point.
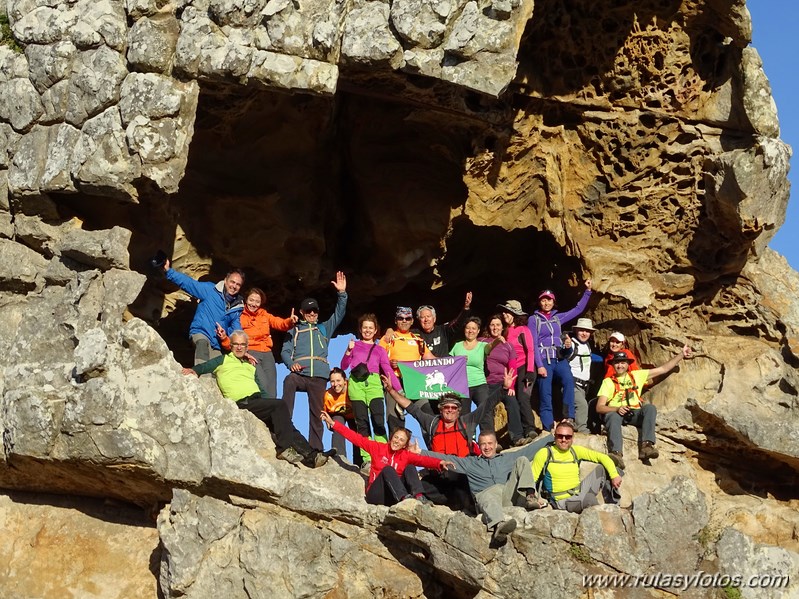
(291, 188)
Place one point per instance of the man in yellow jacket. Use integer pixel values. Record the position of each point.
(557, 468)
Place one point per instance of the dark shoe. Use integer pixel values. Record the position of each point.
(617, 458)
(331, 453)
(521, 442)
(501, 532)
(647, 451)
(423, 500)
(533, 502)
(315, 459)
(290, 455)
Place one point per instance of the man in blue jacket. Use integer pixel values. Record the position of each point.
(214, 300)
(304, 352)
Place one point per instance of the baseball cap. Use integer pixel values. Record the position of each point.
(309, 303)
(618, 337)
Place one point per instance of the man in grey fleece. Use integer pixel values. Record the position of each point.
(499, 480)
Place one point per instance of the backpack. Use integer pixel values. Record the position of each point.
(474, 448)
(539, 322)
(550, 459)
(634, 389)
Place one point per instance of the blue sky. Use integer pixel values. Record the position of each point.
(775, 25)
(775, 34)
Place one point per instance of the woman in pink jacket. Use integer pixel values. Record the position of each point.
(521, 339)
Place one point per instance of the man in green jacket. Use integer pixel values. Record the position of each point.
(237, 381)
(556, 468)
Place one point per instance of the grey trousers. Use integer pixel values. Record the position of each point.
(202, 349)
(580, 410)
(643, 419)
(490, 501)
(596, 481)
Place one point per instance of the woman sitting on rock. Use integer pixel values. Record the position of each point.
(392, 476)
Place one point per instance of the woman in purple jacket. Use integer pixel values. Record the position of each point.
(546, 326)
(368, 360)
(501, 357)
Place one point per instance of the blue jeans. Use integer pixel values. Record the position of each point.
(556, 371)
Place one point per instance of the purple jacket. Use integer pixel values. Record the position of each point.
(547, 330)
(501, 357)
(378, 361)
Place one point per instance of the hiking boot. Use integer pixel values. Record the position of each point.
(331, 453)
(290, 455)
(648, 451)
(521, 442)
(366, 468)
(501, 532)
(533, 502)
(315, 459)
(617, 458)
(423, 499)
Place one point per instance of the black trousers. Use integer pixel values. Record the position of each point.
(314, 387)
(448, 488)
(274, 413)
(389, 488)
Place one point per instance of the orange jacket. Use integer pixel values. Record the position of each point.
(258, 326)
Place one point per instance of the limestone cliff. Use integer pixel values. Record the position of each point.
(426, 147)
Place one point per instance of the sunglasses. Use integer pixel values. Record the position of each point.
(311, 311)
(564, 436)
(404, 318)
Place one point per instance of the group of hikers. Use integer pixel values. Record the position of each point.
(514, 359)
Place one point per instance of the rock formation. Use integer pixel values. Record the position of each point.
(426, 147)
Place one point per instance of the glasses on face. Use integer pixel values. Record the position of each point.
(404, 318)
(311, 311)
(563, 436)
(238, 345)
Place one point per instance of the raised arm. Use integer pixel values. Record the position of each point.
(341, 304)
(457, 323)
(671, 364)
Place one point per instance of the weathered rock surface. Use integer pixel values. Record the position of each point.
(427, 147)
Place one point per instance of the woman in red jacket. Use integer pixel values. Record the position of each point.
(393, 476)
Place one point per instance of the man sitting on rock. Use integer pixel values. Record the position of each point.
(449, 433)
(237, 381)
(619, 401)
(214, 300)
(499, 480)
(556, 468)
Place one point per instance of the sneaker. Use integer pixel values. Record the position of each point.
(315, 459)
(423, 499)
(521, 442)
(501, 532)
(366, 468)
(290, 455)
(331, 453)
(533, 502)
(648, 451)
(617, 458)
